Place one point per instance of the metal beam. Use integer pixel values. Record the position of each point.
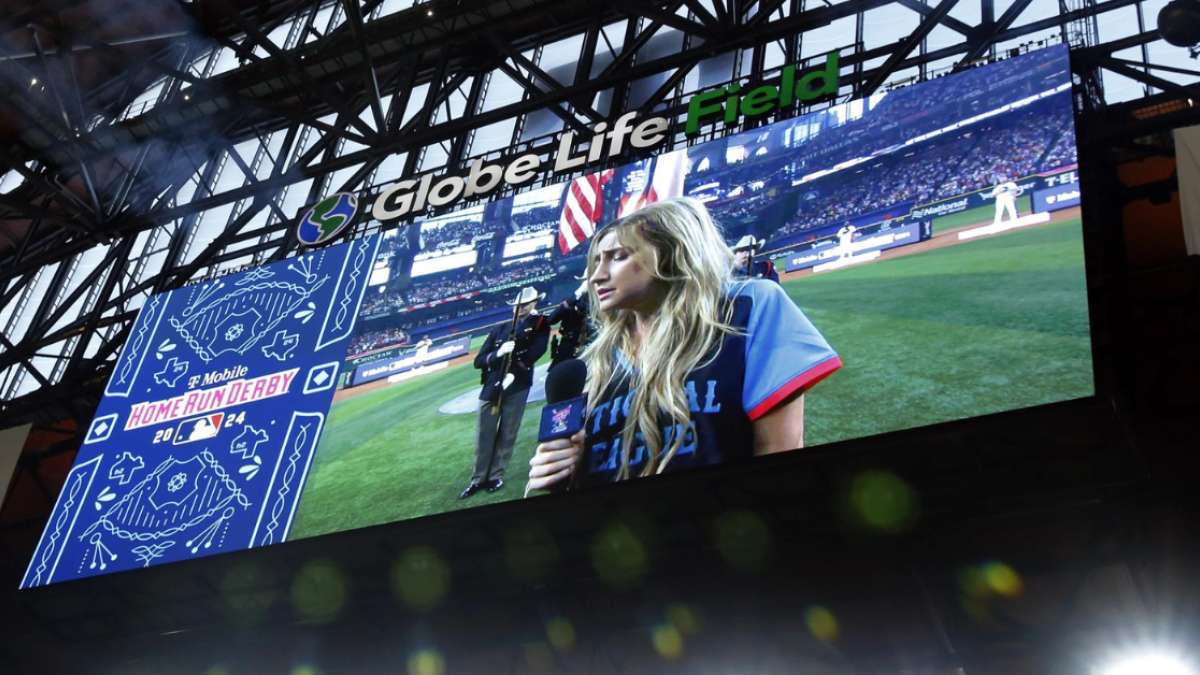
(1188, 91)
(947, 21)
(989, 34)
(907, 46)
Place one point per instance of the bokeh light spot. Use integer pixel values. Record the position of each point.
(561, 633)
(306, 669)
(667, 642)
(242, 592)
(822, 623)
(881, 500)
(619, 557)
(684, 618)
(539, 657)
(319, 590)
(972, 582)
(976, 608)
(420, 578)
(530, 551)
(743, 540)
(1003, 579)
(426, 662)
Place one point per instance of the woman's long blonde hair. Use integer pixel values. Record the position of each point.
(680, 245)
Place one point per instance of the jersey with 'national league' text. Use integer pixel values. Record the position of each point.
(775, 353)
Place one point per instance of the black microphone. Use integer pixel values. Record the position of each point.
(563, 415)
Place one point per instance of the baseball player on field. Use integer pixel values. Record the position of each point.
(1006, 199)
(846, 240)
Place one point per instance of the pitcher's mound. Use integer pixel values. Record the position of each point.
(468, 403)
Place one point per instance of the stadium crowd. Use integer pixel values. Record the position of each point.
(536, 219)
(908, 112)
(455, 233)
(978, 157)
(519, 272)
(377, 339)
(450, 285)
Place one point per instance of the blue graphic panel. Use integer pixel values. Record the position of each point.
(204, 438)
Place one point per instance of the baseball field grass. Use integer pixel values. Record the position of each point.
(965, 330)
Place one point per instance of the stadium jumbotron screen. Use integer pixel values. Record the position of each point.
(917, 255)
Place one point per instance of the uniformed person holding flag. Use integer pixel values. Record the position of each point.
(506, 362)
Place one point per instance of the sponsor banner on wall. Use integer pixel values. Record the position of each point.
(409, 359)
(877, 238)
(1056, 198)
(981, 198)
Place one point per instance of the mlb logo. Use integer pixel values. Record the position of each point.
(559, 420)
(198, 429)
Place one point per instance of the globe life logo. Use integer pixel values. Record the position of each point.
(606, 142)
(326, 219)
(733, 103)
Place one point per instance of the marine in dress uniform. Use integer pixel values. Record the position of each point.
(497, 427)
(571, 317)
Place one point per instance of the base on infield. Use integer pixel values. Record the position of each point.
(846, 262)
(417, 372)
(1004, 226)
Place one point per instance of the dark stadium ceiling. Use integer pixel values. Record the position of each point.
(146, 143)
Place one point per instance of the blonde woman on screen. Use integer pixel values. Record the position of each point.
(689, 367)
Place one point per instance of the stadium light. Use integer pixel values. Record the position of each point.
(1149, 664)
(1179, 23)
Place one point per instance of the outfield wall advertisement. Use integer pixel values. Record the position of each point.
(847, 243)
(417, 357)
(932, 270)
(1052, 183)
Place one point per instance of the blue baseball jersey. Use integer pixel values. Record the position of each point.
(775, 353)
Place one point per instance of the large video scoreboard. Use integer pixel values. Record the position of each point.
(929, 238)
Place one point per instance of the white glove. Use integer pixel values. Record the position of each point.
(506, 349)
(508, 379)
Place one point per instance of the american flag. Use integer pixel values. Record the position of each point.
(582, 209)
(667, 172)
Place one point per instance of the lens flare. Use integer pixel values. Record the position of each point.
(619, 557)
(539, 657)
(561, 633)
(240, 589)
(420, 579)
(743, 540)
(881, 500)
(306, 669)
(530, 551)
(822, 623)
(426, 662)
(667, 642)
(980, 584)
(1149, 664)
(319, 590)
(684, 618)
(1003, 579)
